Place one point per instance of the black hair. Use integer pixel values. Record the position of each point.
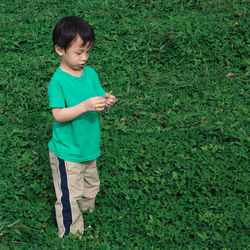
(68, 28)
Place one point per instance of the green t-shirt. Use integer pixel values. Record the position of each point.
(77, 140)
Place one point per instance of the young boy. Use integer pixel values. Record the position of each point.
(75, 97)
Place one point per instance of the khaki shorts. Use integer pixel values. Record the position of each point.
(76, 186)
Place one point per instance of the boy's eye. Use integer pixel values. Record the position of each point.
(79, 53)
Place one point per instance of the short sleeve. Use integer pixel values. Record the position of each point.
(100, 90)
(56, 96)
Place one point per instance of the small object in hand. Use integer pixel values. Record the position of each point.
(96, 106)
(110, 91)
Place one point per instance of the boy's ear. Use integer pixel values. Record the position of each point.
(58, 50)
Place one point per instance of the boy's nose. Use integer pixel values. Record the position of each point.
(84, 57)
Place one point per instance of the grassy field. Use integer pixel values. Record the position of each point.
(174, 165)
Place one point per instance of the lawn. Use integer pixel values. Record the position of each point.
(174, 165)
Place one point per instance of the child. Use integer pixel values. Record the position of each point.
(75, 97)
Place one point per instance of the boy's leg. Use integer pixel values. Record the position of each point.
(90, 186)
(68, 182)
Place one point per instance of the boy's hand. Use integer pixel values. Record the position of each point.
(95, 104)
(110, 100)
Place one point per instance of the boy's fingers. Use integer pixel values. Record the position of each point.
(101, 101)
(99, 108)
(113, 98)
(100, 98)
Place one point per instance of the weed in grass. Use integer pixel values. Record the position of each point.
(174, 165)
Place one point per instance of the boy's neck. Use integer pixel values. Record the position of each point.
(70, 71)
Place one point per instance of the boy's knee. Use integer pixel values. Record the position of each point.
(90, 194)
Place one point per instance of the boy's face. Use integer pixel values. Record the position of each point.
(75, 57)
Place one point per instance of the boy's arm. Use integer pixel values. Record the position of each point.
(68, 114)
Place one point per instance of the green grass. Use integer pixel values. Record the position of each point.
(174, 171)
